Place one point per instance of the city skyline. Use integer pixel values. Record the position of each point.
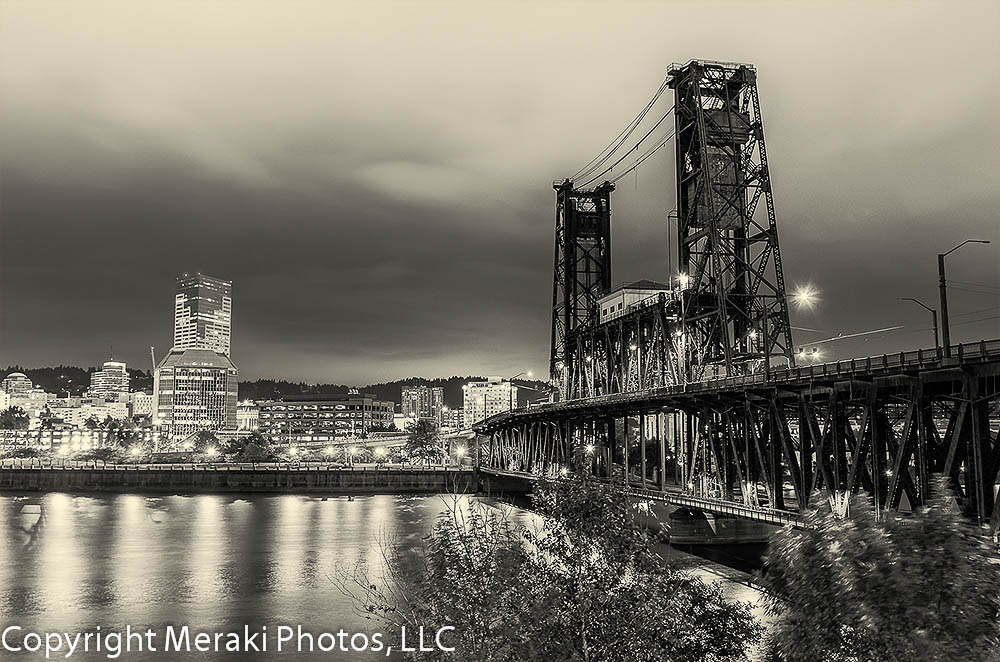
(377, 231)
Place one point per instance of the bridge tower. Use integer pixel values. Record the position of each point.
(734, 308)
(582, 265)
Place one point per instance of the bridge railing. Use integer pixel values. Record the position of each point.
(963, 353)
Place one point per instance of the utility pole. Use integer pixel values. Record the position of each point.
(943, 287)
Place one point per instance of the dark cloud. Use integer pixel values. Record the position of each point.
(374, 177)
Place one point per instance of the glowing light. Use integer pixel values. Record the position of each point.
(753, 334)
(684, 280)
(589, 358)
(135, 451)
(329, 450)
(380, 452)
(460, 451)
(211, 451)
(633, 347)
(187, 445)
(805, 297)
(590, 448)
(564, 471)
(64, 451)
(293, 451)
(352, 450)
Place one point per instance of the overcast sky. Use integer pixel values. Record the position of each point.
(375, 177)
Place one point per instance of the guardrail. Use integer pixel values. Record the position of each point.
(964, 353)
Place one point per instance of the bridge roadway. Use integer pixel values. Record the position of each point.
(881, 423)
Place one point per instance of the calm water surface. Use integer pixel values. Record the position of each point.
(73, 562)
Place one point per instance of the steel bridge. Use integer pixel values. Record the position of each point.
(692, 396)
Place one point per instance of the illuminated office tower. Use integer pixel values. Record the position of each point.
(203, 313)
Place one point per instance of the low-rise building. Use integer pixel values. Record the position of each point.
(629, 296)
(317, 419)
(140, 403)
(247, 416)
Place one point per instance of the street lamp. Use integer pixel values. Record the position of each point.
(511, 404)
(933, 313)
(942, 285)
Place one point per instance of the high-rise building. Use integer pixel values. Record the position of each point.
(203, 312)
(195, 384)
(110, 382)
(484, 399)
(194, 389)
(423, 402)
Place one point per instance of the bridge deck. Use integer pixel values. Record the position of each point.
(867, 368)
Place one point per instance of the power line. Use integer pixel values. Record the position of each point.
(966, 282)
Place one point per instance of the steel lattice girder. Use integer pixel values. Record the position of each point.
(777, 447)
(735, 309)
(582, 264)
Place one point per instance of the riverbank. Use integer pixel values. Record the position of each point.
(238, 479)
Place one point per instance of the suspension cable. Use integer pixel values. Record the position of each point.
(663, 141)
(626, 154)
(620, 139)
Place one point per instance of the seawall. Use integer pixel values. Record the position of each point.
(243, 480)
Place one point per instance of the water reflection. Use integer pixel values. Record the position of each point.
(214, 562)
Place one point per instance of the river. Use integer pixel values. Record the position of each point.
(71, 563)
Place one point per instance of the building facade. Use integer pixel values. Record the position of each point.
(484, 399)
(423, 402)
(140, 403)
(195, 384)
(624, 298)
(247, 416)
(318, 420)
(74, 412)
(110, 382)
(203, 313)
(194, 389)
(15, 384)
(453, 418)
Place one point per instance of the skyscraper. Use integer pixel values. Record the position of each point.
(195, 384)
(203, 311)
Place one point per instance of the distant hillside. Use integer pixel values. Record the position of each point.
(75, 380)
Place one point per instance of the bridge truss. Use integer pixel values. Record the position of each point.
(880, 425)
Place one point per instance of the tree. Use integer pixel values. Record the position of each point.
(92, 423)
(255, 447)
(205, 439)
(587, 586)
(422, 441)
(14, 418)
(602, 592)
(880, 586)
